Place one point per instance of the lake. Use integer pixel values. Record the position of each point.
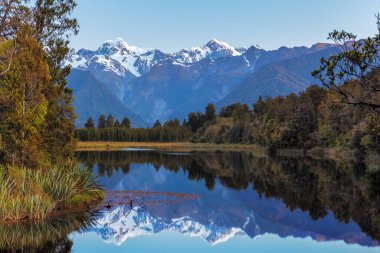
(214, 202)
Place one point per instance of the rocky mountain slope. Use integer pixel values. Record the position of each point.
(92, 98)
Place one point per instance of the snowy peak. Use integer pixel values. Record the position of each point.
(223, 48)
(218, 49)
(117, 56)
(119, 46)
(125, 60)
(213, 50)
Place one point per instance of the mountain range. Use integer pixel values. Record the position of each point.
(121, 224)
(148, 84)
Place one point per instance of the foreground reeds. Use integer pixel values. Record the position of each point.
(33, 194)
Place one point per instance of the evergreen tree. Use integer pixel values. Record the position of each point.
(23, 103)
(126, 123)
(102, 121)
(7, 49)
(210, 112)
(259, 107)
(117, 124)
(194, 121)
(89, 123)
(109, 123)
(157, 124)
(52, 25)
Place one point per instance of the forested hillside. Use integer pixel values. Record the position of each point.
(344, 112)
(311, 119)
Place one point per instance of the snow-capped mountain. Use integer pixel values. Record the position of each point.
(117, 56)
(213, 50)
(121, 224)
(121, 58)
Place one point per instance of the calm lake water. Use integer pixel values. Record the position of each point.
(215, 202)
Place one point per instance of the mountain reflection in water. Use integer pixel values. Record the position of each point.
(215, 196)
(241, 194)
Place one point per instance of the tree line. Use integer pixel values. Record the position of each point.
(302, 121)
(108, 129)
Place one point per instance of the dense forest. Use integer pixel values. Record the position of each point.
(310, 119)
(36, 116)
(296, 121)
(109, 130)
(342, 112)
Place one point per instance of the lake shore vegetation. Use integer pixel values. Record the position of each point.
(36, 115)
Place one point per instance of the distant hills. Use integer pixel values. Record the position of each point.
(148, 84)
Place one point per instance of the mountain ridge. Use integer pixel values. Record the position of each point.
(158, 85)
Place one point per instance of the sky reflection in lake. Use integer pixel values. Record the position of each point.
(245, 204)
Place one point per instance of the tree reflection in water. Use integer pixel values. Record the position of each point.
(50, 235)
(317, 187)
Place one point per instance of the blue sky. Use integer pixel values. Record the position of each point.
(170, 25)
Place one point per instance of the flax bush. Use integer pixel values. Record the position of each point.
(34, 194)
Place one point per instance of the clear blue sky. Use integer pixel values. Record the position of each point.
(170, 25)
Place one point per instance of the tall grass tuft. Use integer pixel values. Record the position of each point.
(34, 194)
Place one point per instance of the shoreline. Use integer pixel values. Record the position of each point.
(75, 209)
(87, 205)
(54, 214)
(338, 154)
(169, 146)
(315, 153)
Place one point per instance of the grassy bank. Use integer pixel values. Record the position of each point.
(341, 154)
(34, 194)
(168, 146)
